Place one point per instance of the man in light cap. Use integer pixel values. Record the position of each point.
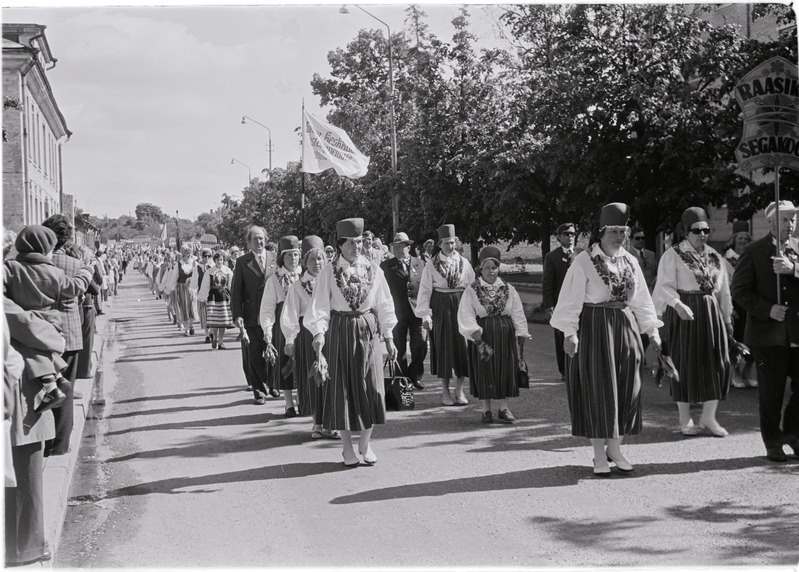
(403, 273)
(772, 325)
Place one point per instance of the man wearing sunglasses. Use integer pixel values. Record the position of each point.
(556, 264)
(647, 260)
(772, 327)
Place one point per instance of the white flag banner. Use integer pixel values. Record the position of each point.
(325, 146)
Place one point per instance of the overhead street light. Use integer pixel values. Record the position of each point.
(395, 198)
(244, 119)
(249, 174)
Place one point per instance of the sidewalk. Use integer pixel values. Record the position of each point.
(58, 470)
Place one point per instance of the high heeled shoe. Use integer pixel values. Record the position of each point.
(715, 430)
(621, 463)
(369, 456)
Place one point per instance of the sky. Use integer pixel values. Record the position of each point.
(154, 95)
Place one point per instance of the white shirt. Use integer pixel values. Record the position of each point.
(470, 309)
(274, 295)
(674, 275)
(294, 308)
(205, 287)
(433, 280)
(583, 285)
(327, 297)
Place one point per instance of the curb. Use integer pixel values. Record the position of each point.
(58, 471)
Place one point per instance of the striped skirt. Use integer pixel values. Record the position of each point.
(699, 350)
(218, 314)
(279, 381)
(354, 396)
(447, 346)
(309, 395)
(495, 378)
(603, 379)
(185, 303)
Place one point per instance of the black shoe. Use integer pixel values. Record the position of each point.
(291, 412)
(487, 417)
(222, 347)
(274, 392)
(417, 384)
(505, 416)
(207, 339)
(53, 398)
(776, 454)
(191, 331)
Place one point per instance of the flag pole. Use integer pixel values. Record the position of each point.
(777, 220)
(302, 175)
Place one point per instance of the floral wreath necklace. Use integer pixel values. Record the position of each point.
(308, 286)
(620, 283)
(450, 272)
(492, 298)
(705, 273)
(356, 287)
(286, 279)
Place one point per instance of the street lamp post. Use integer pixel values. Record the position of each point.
(392, 122)
(249, 173)
(244, 119)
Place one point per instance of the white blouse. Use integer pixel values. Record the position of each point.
(274, 295)
(470, 309)
(433, 280)
(205, 287)
(583, 285)
(327, 297)
(191, 266)
(294, 308)
(674, 275)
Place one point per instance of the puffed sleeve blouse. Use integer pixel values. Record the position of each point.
(297, 300)
(584, 285)
(345, 287)
(675, 274)
(444, 273)
(471, 308)
(275, 291)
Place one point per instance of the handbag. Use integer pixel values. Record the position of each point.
(399, 390)
(522, 377)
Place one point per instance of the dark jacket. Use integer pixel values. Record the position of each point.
(404, 286)
(556, 264)
(754, 287)
(246, 290)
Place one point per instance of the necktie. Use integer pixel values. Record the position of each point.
(261, 261)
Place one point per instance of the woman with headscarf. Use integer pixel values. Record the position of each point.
(277, 286)
(492, 320)
(299, 342)
(692, 294)
(743, 372)
(602, 309)
(444, 278)
(215, 293)
(350, 309)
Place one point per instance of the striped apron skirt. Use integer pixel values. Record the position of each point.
(699, 350)
(185, 303)
(218, 314)
(495, 378)
(280, 381)
(354, 396)
(447, 346)
(309, 395)
(603, 378)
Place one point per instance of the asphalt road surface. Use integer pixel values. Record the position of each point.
(179, 468)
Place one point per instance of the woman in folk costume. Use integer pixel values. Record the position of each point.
(215, 292)
(602, 309)
(350, 303)
(692, 294)
(299, 341)
(744, 373)
(491, 314)
(184, 285)
(204, 263)
(277, 286)
(164, 285)
(444, 278)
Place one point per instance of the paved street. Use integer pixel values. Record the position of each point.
(178, 468)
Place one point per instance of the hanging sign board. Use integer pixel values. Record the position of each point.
(769, 98)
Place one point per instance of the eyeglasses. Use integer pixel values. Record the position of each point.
(206, 256)
(700, 231)
(639, 238)
(568, 233)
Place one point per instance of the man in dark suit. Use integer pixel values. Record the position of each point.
(403, 273)
(556, 263)
(246, 291)
(647, 260)
(772, 328)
